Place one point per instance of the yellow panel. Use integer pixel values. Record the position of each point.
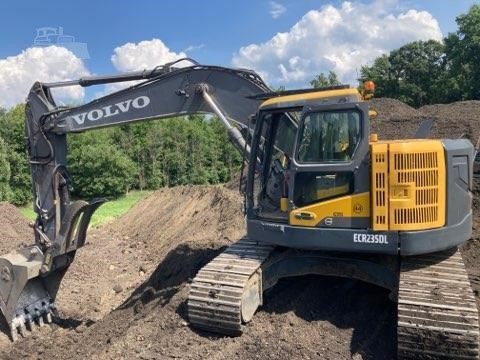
(379, 186)
(417, 185)
(313, 96)
(357, 205)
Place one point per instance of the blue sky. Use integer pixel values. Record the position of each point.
(216, 31)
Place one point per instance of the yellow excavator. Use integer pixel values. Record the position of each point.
(322, 196)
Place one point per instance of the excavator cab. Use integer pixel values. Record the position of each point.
(310, 153)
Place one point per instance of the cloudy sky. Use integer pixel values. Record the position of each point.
(288, 42)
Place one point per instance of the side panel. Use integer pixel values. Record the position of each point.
(459, 156)
(350, 211)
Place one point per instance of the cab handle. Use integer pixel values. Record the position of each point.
(305, 216)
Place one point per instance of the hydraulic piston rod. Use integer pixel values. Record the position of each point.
(234, 134)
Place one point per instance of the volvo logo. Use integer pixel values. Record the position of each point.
(112, 110)
(328, 221)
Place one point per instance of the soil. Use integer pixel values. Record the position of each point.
(124, 296)
(15, 231)
(397, 120)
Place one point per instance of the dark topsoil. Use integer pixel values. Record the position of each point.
(150, 255)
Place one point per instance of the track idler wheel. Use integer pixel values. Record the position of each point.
(252, 297)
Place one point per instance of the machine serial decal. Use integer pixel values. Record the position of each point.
(370, 238)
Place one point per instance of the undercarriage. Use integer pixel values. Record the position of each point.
(437, 313)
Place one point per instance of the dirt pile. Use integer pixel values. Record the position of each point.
(119, 257)
(471, 250)
(14, 229)
(455, 120)
(397, 120)
(153, 252)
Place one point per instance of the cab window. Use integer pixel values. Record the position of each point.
(329, 136)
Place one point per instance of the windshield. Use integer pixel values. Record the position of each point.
(329, 136)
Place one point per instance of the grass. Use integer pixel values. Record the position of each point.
(107, 212)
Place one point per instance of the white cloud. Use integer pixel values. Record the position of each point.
(336, 38)
(144, 55)
(276, 9)
(193, 48)
(46, 64)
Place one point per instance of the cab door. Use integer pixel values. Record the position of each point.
(329, 177)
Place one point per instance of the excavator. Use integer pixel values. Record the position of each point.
(323, 196)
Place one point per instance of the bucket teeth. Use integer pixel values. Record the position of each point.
(39, 319)
(29, 322)
(22, 329)
(14, 334)
(48, 317)
(24, 324)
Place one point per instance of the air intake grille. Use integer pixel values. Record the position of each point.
(417, 185)
(379, 186)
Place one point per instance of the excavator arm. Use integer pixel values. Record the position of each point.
(30, 278)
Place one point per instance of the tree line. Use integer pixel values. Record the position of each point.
(110, 162)
(196, 150)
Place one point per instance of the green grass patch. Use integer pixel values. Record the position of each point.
(28, 212)
(107, 212)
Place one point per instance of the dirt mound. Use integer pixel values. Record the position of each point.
(397, 120)
(14, 229)
(123, 253)
(153, 252)
(393, 109)
(200, 212)
(471, 250)
(455, 120)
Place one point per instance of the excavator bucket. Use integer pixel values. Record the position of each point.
(30, 277)
(25, 296)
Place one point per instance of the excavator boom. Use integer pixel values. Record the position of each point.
(31, 277)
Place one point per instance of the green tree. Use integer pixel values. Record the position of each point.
(5, 191)
(278, 89)
(12, 131)
(322, 80)
(382, 75)
(132, 139)
(463, 52)
(177, 151)
(427, 72)
(98, 167)
(415, 73)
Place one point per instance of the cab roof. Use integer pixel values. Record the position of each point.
(301, 97)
